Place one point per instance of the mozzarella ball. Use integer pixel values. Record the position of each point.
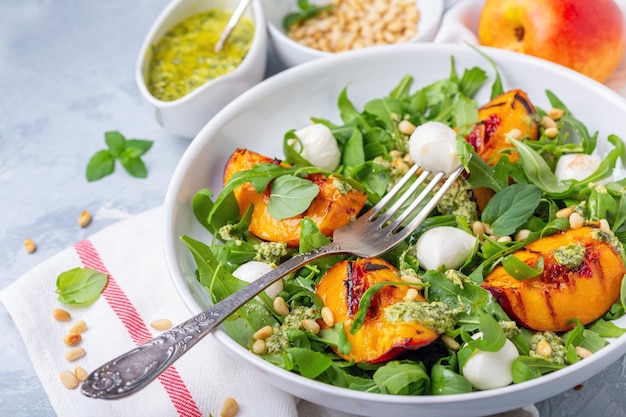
(489, 370)
(319, 146)
(444, 246)
(576, 166)
(253, 270)
(433, 147)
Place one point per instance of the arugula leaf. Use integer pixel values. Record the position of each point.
(309, 363)
(526, 368)
(129, 153)
(402, 378)
(80, 286)
(445, 381)
(510, 208)
(538, 171)
(290, 195)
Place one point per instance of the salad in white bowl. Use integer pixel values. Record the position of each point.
(517, 275)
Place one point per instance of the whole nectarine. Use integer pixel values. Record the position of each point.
(587, 36)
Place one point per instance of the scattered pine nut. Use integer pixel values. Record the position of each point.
(72, 339)
(450, 342)
(411, 279)
(551, 132)
(280, 306)
(79, 327)
(161, 324)
(310, 325)
(504, 239)
(522, 235)
(30, 245)
(582, 352)
(230, 408)
(547, 122)
(488, 229)
(576, 221)
(263, 333)
(69, 379)
(555, 114)
(478, 229)
(565, 212)
(84, 218)
(328, 316)
(604, 226)
(405, 127)
(411, 294)
(515, 133)
(61, 315)
(81, 373)
(74, 354)
(544, 349)
(259, 347)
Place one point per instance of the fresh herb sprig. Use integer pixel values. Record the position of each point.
(127, 151)
(306, 11)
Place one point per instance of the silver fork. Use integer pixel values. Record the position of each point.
(385, 225)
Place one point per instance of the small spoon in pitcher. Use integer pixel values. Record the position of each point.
(232, 22)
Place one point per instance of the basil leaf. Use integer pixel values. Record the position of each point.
(510, 208)
(526, 368)
(444, 381)
(80, 286)
(353, 154)
(133, 165)
(538, 171)
(290, 195)
(116, 143)
(520, 270)
(100, 165)
(137, 147)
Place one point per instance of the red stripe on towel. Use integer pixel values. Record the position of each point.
(137, 329)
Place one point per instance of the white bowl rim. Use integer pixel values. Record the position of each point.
(258, 40)
(612, 351)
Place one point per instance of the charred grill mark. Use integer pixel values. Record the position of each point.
(375, 267)
(518, 98)
(351, 298)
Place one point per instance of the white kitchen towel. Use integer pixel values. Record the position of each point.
(138, 292)
(460, 24)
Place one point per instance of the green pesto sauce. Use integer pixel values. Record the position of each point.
(558, 352)
(436, 315)
(184, 58)
(270, 252)
(278, 340)
(570, 256)
(458, 201)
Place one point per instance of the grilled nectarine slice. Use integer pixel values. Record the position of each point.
(379, 339)
(330, 209)
(563, 292)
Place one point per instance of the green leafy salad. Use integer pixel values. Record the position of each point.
(535, 228)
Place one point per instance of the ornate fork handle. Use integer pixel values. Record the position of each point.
(135, 369)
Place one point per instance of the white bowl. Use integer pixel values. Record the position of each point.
(258, 120)
(293, 53)
(187, 115)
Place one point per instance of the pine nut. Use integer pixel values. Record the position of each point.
(522, 235)
(411, 294)
(263, 333)
(79, 327)
(69, 379)
(74, 354)
(310, 325)
(61, 315)
(515, 133)
(30, 245)
(84, 219)
(582, 352)
(504, 239)
(576, 221)
(81, 373)
(161, 324)
(478, 229)
(604, 226)
(450, 342)
(72, 339)
(328, 316)
(488, 229)
(551, 132)
(280, 306)
(259, 347)
(395, 154)
(544, 349)
(548, 122)
(230, 408)
(406, 128)
(411, 279)
(555, 114)
(564, 212)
